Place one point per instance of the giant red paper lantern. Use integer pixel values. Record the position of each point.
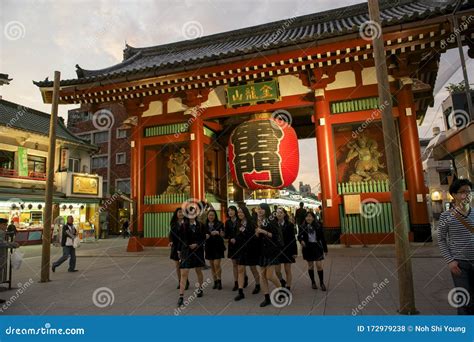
(263, 154)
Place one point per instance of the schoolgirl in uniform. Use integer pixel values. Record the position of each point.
(215, 246)
(176, 226)
(247, 250)
(311, 237)
(230, 233)
(289, 250)
(191, 254)
(271, 240)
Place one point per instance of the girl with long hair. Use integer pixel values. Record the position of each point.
(311, 237)
(215, 246)
(270, 238)
(176, 226)
(193, 237)
(289, 250)
(230, 234)
(247, 250)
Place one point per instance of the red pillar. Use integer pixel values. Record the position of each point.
(134, 176)
(151, 172)
(140, 184)
(197, 159)
(326, 162)
(411, 154)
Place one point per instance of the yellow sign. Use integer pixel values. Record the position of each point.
(85, 185)
(352, 204)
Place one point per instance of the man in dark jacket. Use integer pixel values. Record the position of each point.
(68, 235)
(300, 215)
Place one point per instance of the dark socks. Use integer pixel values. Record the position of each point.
(236, 286)
(321, 280)
(321, 276)
(311, 276)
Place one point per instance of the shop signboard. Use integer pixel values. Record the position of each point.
(22, 161)
(85, 185)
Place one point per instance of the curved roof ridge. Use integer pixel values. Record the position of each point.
(82, 73)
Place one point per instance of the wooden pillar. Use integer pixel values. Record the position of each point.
(326, 161)
(413, 169)
(197, 159)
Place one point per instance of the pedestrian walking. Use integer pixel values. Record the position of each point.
(289, 251)
(230, 229)
(215, 246)
(176, 226)
(69, 233)
(270, 243)
(191, 255)
(456, 242)
(311, 237)
(247, 250)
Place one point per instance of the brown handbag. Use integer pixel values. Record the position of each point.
(462, 220)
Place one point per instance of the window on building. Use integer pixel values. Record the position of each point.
(444, 177)
(36, 164)
(123, 185)
(74, 165)
(99, 162)
(120, 158)
(7, 160)
(101, 137)
(121, 133)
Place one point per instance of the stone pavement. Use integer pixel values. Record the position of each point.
(111, 281)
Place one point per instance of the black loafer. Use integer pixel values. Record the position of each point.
(73, 271)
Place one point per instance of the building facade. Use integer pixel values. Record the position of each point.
(24, 141)
(111, 161)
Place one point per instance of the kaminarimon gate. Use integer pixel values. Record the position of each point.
(184, 100)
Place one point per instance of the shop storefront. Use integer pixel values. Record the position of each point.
(28, 218)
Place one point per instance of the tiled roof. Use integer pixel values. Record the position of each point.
(189, 54)
(16, 116)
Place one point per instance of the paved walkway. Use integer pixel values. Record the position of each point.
(360, 281)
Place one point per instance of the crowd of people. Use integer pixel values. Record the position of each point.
(262, 242)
